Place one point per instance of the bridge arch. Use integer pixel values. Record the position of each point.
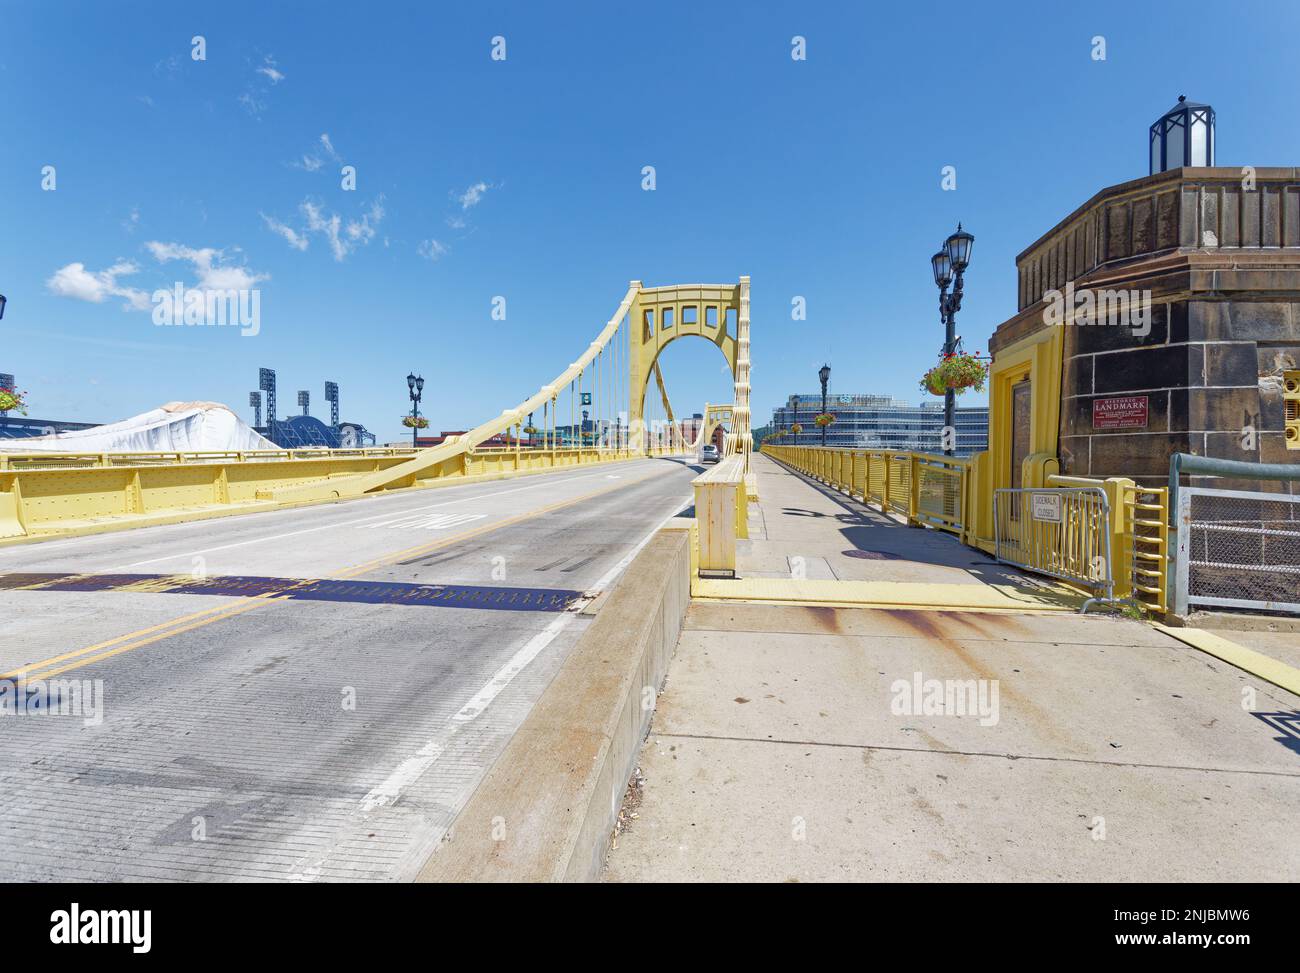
(660, 315)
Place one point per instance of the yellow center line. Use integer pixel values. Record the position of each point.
(121, 638)
(136, 640)
(230, 612)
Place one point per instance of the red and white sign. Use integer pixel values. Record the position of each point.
(1122, 412)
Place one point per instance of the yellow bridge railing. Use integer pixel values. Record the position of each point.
(940, 492)
(924, 488)
(51, 461)
(53, 494)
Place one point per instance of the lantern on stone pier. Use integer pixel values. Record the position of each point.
(1182, 136)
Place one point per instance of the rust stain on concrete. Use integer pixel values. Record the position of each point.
(925, 624)
(824, 619)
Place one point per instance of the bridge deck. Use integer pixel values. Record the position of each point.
(299, 694)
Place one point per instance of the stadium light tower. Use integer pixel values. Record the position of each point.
(304, 400)
(332, 397)
(255, 400)
(3, 302)
(266, 382)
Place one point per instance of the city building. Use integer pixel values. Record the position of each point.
(690, 430)
(879, 422)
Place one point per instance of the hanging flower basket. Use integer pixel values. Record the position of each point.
(415, 422)
(530, 431)
(797, 428)
(12, 401)
(824, 420)
(958, 372)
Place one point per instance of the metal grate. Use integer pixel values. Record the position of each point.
(1239, 549)
(939, 494)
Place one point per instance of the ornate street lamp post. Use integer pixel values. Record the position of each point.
(949, 266)
(415, 388)
(824, 373)
(796, 419)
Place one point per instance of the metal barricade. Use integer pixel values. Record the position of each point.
(1063, 532)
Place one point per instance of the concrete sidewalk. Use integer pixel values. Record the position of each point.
(800, 525)
(802, 743)
(778, 753)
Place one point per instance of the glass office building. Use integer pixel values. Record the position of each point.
(880, 422)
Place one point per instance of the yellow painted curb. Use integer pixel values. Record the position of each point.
(885, 594)
(1248, 660)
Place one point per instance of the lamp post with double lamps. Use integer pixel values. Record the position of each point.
(415, 388)
(824, 373)
(949, 266)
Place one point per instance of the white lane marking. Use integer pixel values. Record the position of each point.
(610, 576)
(413, 767)
(423, 522)
(349, 523)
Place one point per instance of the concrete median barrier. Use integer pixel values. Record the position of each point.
(546, 810)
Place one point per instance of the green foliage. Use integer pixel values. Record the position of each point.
(958, 372)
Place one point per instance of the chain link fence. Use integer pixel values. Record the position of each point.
(1237, 549)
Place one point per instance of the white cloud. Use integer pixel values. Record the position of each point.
(254, 98)
(215, 276)
(295, 239)
(343, 238)
(363, 230)
(432, 249)
(456, 222)
(75, 281)
(209, 265)
(312, 161)
(132, 220)
(471, 196)
(168, 66)
(318, 222)
(253, 103)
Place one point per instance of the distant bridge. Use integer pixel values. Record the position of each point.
(604, 389)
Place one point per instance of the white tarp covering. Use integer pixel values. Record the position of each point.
(187, 427)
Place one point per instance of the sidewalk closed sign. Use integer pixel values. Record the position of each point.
(1046, 506)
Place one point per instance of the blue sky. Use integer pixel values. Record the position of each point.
(522, 178)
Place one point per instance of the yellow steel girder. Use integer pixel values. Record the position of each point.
(661, 315)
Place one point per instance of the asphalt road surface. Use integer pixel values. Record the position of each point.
(302, 695)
